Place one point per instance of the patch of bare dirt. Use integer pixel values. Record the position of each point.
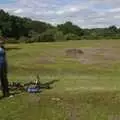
(94, 55)
(74, 52)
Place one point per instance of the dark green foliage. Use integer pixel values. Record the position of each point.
(18, 29)
(68, 27)
(71, 36)
(111, 32)
(39, 27)
(47, 36)
(59, 36)
(12, 40)
(51, 35)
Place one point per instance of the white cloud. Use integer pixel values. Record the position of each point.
(99, 19)
(70, 9)
(60, 12)
(117, 17)
(50, 12)
(114, 10)
(18, 11)
(85, 13)
(74, 9)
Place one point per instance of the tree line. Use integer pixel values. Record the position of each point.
(21, 29)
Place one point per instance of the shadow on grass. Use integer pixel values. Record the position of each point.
(12, 48)
(13, 93)
(47, 85)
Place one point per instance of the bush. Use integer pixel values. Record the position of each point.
(71, 36)
(12, 40)
(47, 36)
(59, 36)
(23, 39)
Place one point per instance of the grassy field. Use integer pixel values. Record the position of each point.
(88, 86)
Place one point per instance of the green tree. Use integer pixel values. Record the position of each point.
(68, 27)
(47, 36)
(71, 36)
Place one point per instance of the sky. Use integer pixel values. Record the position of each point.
(84, 13)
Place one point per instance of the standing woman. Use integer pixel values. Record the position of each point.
(3, 69)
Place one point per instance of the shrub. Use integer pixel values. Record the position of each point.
(71, 36)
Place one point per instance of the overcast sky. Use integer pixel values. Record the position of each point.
(85, 13)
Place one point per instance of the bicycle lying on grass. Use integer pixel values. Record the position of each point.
(31, 87)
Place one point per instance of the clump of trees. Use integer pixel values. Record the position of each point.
(18, 29)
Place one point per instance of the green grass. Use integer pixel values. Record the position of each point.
(85, 91)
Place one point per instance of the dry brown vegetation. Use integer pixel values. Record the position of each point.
(94, 55)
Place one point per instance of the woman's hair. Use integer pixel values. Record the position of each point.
(3, 46)
(2, 40)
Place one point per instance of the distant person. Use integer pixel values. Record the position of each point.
(3, 70)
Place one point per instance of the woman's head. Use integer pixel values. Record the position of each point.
(2, 41)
